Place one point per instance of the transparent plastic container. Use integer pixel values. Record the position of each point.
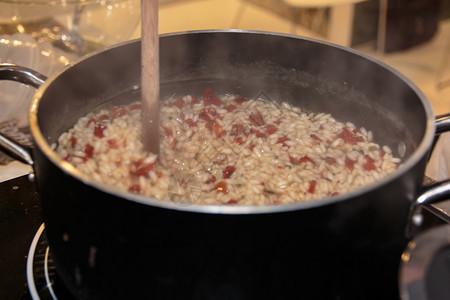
(77, 26)
(46, 35)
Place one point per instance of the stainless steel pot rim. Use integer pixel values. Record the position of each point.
(407, 165)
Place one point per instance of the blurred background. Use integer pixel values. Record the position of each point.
(413, 36)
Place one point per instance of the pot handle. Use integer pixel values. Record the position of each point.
(21, 75)
(28, 77)
(442, 123)
(441, 190)
(434, 193)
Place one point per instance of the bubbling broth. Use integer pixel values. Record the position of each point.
(227, 151)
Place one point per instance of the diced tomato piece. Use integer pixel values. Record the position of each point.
(312, 186)
(136, 164)
(240, 100)
(230, 107)
(228, 171)
(349, 164)
(194, 100)
(305, 159)
(282, 140)
(350, 137)
(278, 122)
(258, 133)
(222, 187)
(91, 120)
(251, 146)
(141, 169)
(315, 137)
(358, 139)
(237, 129)
(211, 180)
(172, 143)
(168, 131)
(216, 128)
(98, 130)
(330, 160)
(135, 106)
(204, 116)
(112, 143)
(102, 117)
(346, 135)
(369, 159)
(212, 112)
(118, 112)
(135, 189)
(210, 98)
(218, 131)
(256, 118)
(239, 140)
(89, 151)
(369, 167)
(270, 129)
(179, 103)
(232, 201)
(73, 141)
(369, 164)
(190, 122)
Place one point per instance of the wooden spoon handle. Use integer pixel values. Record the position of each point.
(150, 75)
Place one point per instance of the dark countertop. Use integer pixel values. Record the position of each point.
(20, 217)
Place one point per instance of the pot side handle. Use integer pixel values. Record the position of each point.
(441, 190)
(442, 123)
(21, 75)
(16, 150)
(28, 77)
(435, 193)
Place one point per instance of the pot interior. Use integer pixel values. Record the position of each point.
(310, 74)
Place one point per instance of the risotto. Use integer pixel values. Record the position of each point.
(227, 150)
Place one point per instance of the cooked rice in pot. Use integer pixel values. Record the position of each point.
(227, 150)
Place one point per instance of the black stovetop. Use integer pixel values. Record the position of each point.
(20, 219)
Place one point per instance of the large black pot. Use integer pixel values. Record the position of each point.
(109, 244)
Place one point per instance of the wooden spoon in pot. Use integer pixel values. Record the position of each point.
(150, 75)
